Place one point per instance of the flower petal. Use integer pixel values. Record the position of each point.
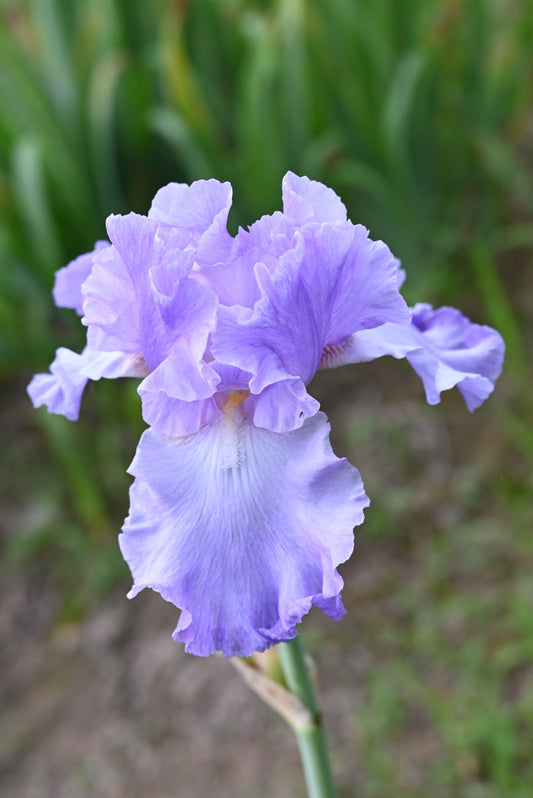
(112, 365)
(140, 249)
(233, 278)
(181, 376)
(68, 281)
(332, 283)
(187, 318)
(282, 406)
(177, 417)
(444, 347)
(397, 340)
(111, 310)
(307, 201)
(62, 389)
(139, 300)
(456, 352)
(198, 214)
(242, 529)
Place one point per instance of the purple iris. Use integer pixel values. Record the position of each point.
(240, 511)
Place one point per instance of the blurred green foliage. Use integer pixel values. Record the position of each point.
(415, 111)
(418, 113)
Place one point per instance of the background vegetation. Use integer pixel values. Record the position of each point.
(419, 114)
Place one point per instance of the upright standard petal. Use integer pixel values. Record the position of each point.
(242, 529)
(141, 302)
(111, 309)
(234, 280)
(122, 306)
(307, 201)
(198, 214)
(332, 283)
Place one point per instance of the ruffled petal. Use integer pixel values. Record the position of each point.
(139, 300)
(141, 250)
(181, 376)
(242, 529)
(467, 347)
(110, 306)
(198, 214)
(443, 346)
(60, 390)
(69, 280)
(187, 317)
(189, 314)
(234, 279)
(184, 416)
(456, 352)
(122, 305)
(333, 282)
(306, 201)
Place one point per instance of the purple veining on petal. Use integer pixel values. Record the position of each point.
(333, 354)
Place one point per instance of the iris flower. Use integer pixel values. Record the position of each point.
(240, 512)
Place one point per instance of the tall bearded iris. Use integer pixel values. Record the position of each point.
(240, 511)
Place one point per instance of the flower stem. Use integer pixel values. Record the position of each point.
(310, 734)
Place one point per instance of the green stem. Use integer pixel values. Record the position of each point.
(311, 735)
